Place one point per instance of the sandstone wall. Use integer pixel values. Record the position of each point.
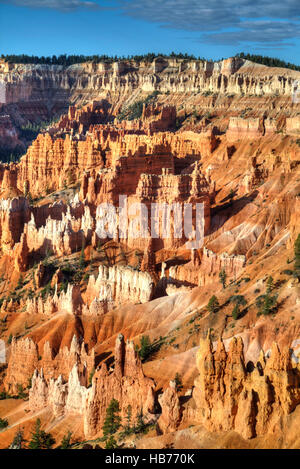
(120, 284)
(126, 383)
(33, 83)
(248, 398)
(240, 128)
(204, 268)
(25, 358)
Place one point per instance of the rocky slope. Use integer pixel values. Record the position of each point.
(35, 93)
(76, 299)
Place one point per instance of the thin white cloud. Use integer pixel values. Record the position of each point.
(61, 5)
(270, 33)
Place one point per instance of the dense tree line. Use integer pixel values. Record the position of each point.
(67, 60)
(269, 61)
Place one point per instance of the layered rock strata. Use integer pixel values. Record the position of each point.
(248, 398)
(126, 383)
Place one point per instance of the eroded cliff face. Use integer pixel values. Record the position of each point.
(253, 399)
(35, 93)
(139, 161)
(126, 383)
(234, 75)
(22, 363)
(120, 284)
(248, 398)
(68, 287)
(25, 359)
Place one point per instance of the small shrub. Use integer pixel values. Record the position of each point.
(223, 278)
(21, 392)
(246, 279)
(66, 441)
(147, 348)
(213, 305)
(236, 312)
(18, 440)
(91, 377)
(288, 272)
(267, 304)
(178, 382)
(297, 257)
(3, 423)
(238, 299)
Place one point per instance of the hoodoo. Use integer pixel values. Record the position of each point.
(149, 253)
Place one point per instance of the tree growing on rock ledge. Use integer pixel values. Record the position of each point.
(238, 300)
(148, 348)
(267, 304)
(111, 424)
(40, 439)
(213, 305)
(18, 441)
(66, 441)
(223, 278)
(297, 257)
(3, 423)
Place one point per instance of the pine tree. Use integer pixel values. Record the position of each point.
(112, 420)
(236, 312)
(111, 443)
(270, 284)
(82, 257)
(145, 349)
(40, 439)
(33, 277)
(3, 423)
(21, 392)
(128, 419)
(213, 305)
(35, 436)
(91, 263)
(140, 424)
(91, 377)
(297, 257)
(20, 282)
(178, 382)
(231, 196)
(223, 278)
(267, 303)
(18, 440)
(238, 300)
(65, 442)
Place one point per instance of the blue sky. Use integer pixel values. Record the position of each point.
(206, 28)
